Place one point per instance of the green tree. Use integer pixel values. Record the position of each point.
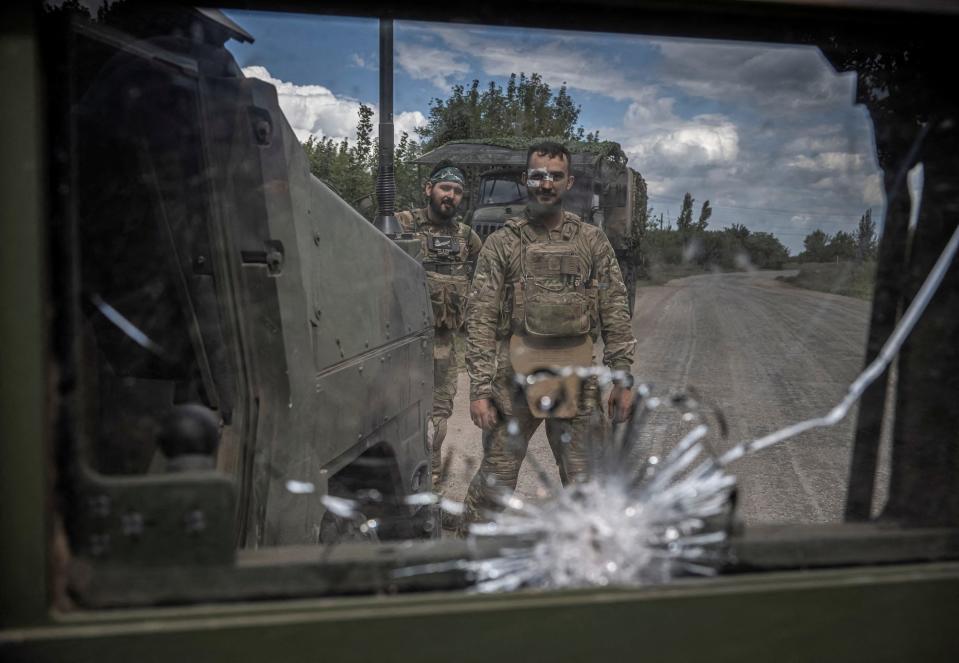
(704, 215)
(731, 248)
(866, 237)
(815, 245)
(766, 251)
(661, 247)
(717, 249)
(65, 8)
(738, 230)
(526, 108)
(363, 154)
(684, 223)
(842, 247)
(350, 168)
(409, 189)
(734, 253)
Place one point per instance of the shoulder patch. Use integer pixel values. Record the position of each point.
(503, 233)
(515, 223)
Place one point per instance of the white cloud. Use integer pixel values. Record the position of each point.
(408, 122)
(315, 110)
(312, 109)
(559, 64)
(701, 142)
(787, 77)
(361, 62)
(561, 60)
(425, 63)
(802, 162)
(844, 162)
(873, 192)
(657, 186)
(704, 139)
(650, 110)
(818, 139)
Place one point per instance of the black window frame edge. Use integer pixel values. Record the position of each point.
(25, 615)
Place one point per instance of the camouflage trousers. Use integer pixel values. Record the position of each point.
(445, 372)
(569, 440)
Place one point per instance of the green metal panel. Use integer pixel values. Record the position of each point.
(892, 613)
(23, 387)
(879, 614)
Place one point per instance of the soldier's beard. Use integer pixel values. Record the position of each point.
(539, 208)
(437, 208)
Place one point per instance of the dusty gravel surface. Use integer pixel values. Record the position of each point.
(765, 354)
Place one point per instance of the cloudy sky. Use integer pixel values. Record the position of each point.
(768, 134)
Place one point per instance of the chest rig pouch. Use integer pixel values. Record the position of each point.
(443, 245)
(447, 274)
(556, 300)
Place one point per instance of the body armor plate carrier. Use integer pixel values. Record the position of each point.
(448, 275)
(553, 298)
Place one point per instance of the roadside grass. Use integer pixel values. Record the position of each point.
(852, 279)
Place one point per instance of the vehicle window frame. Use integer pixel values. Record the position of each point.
(27, 416)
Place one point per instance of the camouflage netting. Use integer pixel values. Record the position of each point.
(603, 149)
(640, 215)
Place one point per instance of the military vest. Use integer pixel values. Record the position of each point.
(445, 257)
(554, 294)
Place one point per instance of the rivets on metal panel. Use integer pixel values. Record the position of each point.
(99, 506)
(194, 521)
(99, 544)
(132, 524)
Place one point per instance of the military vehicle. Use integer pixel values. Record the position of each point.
(105, 562)
(217, 308)
(606, 193)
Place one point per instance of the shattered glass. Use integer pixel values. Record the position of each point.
(637, 523)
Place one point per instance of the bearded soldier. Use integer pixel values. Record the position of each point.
(448, 255)
(546, 286)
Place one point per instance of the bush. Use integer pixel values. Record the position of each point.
(854, 279)
(730, 249)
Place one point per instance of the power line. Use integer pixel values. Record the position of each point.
(777, 231)
(774, 210)
(787, 233)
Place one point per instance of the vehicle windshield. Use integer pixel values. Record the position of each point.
(501, 190)
(269, 349)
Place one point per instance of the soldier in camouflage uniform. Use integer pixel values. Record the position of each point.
(552, 252)
(448, 255)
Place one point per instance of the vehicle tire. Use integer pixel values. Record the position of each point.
(335, 529)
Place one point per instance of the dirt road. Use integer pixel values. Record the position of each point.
(766, 354)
